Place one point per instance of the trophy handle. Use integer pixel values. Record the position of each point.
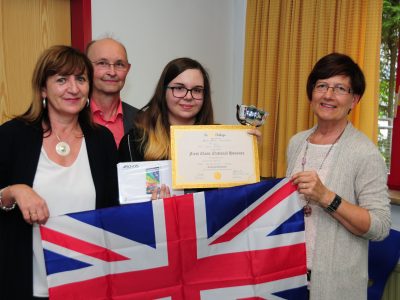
(238, 113)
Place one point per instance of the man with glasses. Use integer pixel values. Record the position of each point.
(111, 66)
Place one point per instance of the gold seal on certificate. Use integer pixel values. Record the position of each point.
(213, 156)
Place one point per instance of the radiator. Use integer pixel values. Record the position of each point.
(392, 288)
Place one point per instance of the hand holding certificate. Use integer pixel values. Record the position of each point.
(213, 156)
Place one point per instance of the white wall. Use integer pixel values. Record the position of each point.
(157, 31)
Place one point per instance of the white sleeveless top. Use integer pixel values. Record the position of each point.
(65, 190)
(315, 156)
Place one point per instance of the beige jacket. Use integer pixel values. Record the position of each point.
(359, 175)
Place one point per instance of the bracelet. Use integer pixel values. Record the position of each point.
(4, 207)
(331, 208)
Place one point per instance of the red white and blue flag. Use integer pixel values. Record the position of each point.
(243, 242)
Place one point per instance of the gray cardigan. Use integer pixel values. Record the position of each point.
(340, 261)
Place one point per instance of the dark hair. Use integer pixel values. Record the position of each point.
(337, 64)
(153, 118)
(63, 60)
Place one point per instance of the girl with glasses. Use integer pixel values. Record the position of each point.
(182, 97)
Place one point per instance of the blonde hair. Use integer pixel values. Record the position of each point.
(158, 144)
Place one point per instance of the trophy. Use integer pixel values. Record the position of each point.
(250, 115)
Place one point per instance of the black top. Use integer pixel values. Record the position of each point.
(19, 156)
(128, 114)
(130, 148)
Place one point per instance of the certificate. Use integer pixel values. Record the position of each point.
(213, 156)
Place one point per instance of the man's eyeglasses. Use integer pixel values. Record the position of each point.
(181, 92)
(337, 89)
(119, 65)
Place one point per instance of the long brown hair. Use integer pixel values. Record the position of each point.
(63, 60)
(153, 118)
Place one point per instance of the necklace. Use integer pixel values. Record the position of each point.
(307, 207)
(62, 148)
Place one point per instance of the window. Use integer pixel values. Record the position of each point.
(388, 63)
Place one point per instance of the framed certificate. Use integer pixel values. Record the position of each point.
(213, 156)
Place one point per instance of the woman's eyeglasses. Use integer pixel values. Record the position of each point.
(181, 92)
(337, 89)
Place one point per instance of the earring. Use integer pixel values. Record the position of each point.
(44, 103)
(87, 102)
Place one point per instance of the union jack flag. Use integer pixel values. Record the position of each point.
(243, 242)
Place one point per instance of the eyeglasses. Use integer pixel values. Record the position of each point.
(337, 89)
(181, 92)
(119, 65)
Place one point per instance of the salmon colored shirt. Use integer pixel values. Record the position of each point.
(115, 124)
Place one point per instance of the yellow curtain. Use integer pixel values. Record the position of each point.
(284, 39)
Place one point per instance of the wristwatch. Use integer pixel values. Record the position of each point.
(331, 208)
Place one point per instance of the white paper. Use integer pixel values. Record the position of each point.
(137, 179)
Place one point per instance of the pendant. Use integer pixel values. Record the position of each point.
(307, 210)
(63, 149)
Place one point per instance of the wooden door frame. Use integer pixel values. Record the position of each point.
(81, 23)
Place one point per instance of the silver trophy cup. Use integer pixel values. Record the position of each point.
(250, 115)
